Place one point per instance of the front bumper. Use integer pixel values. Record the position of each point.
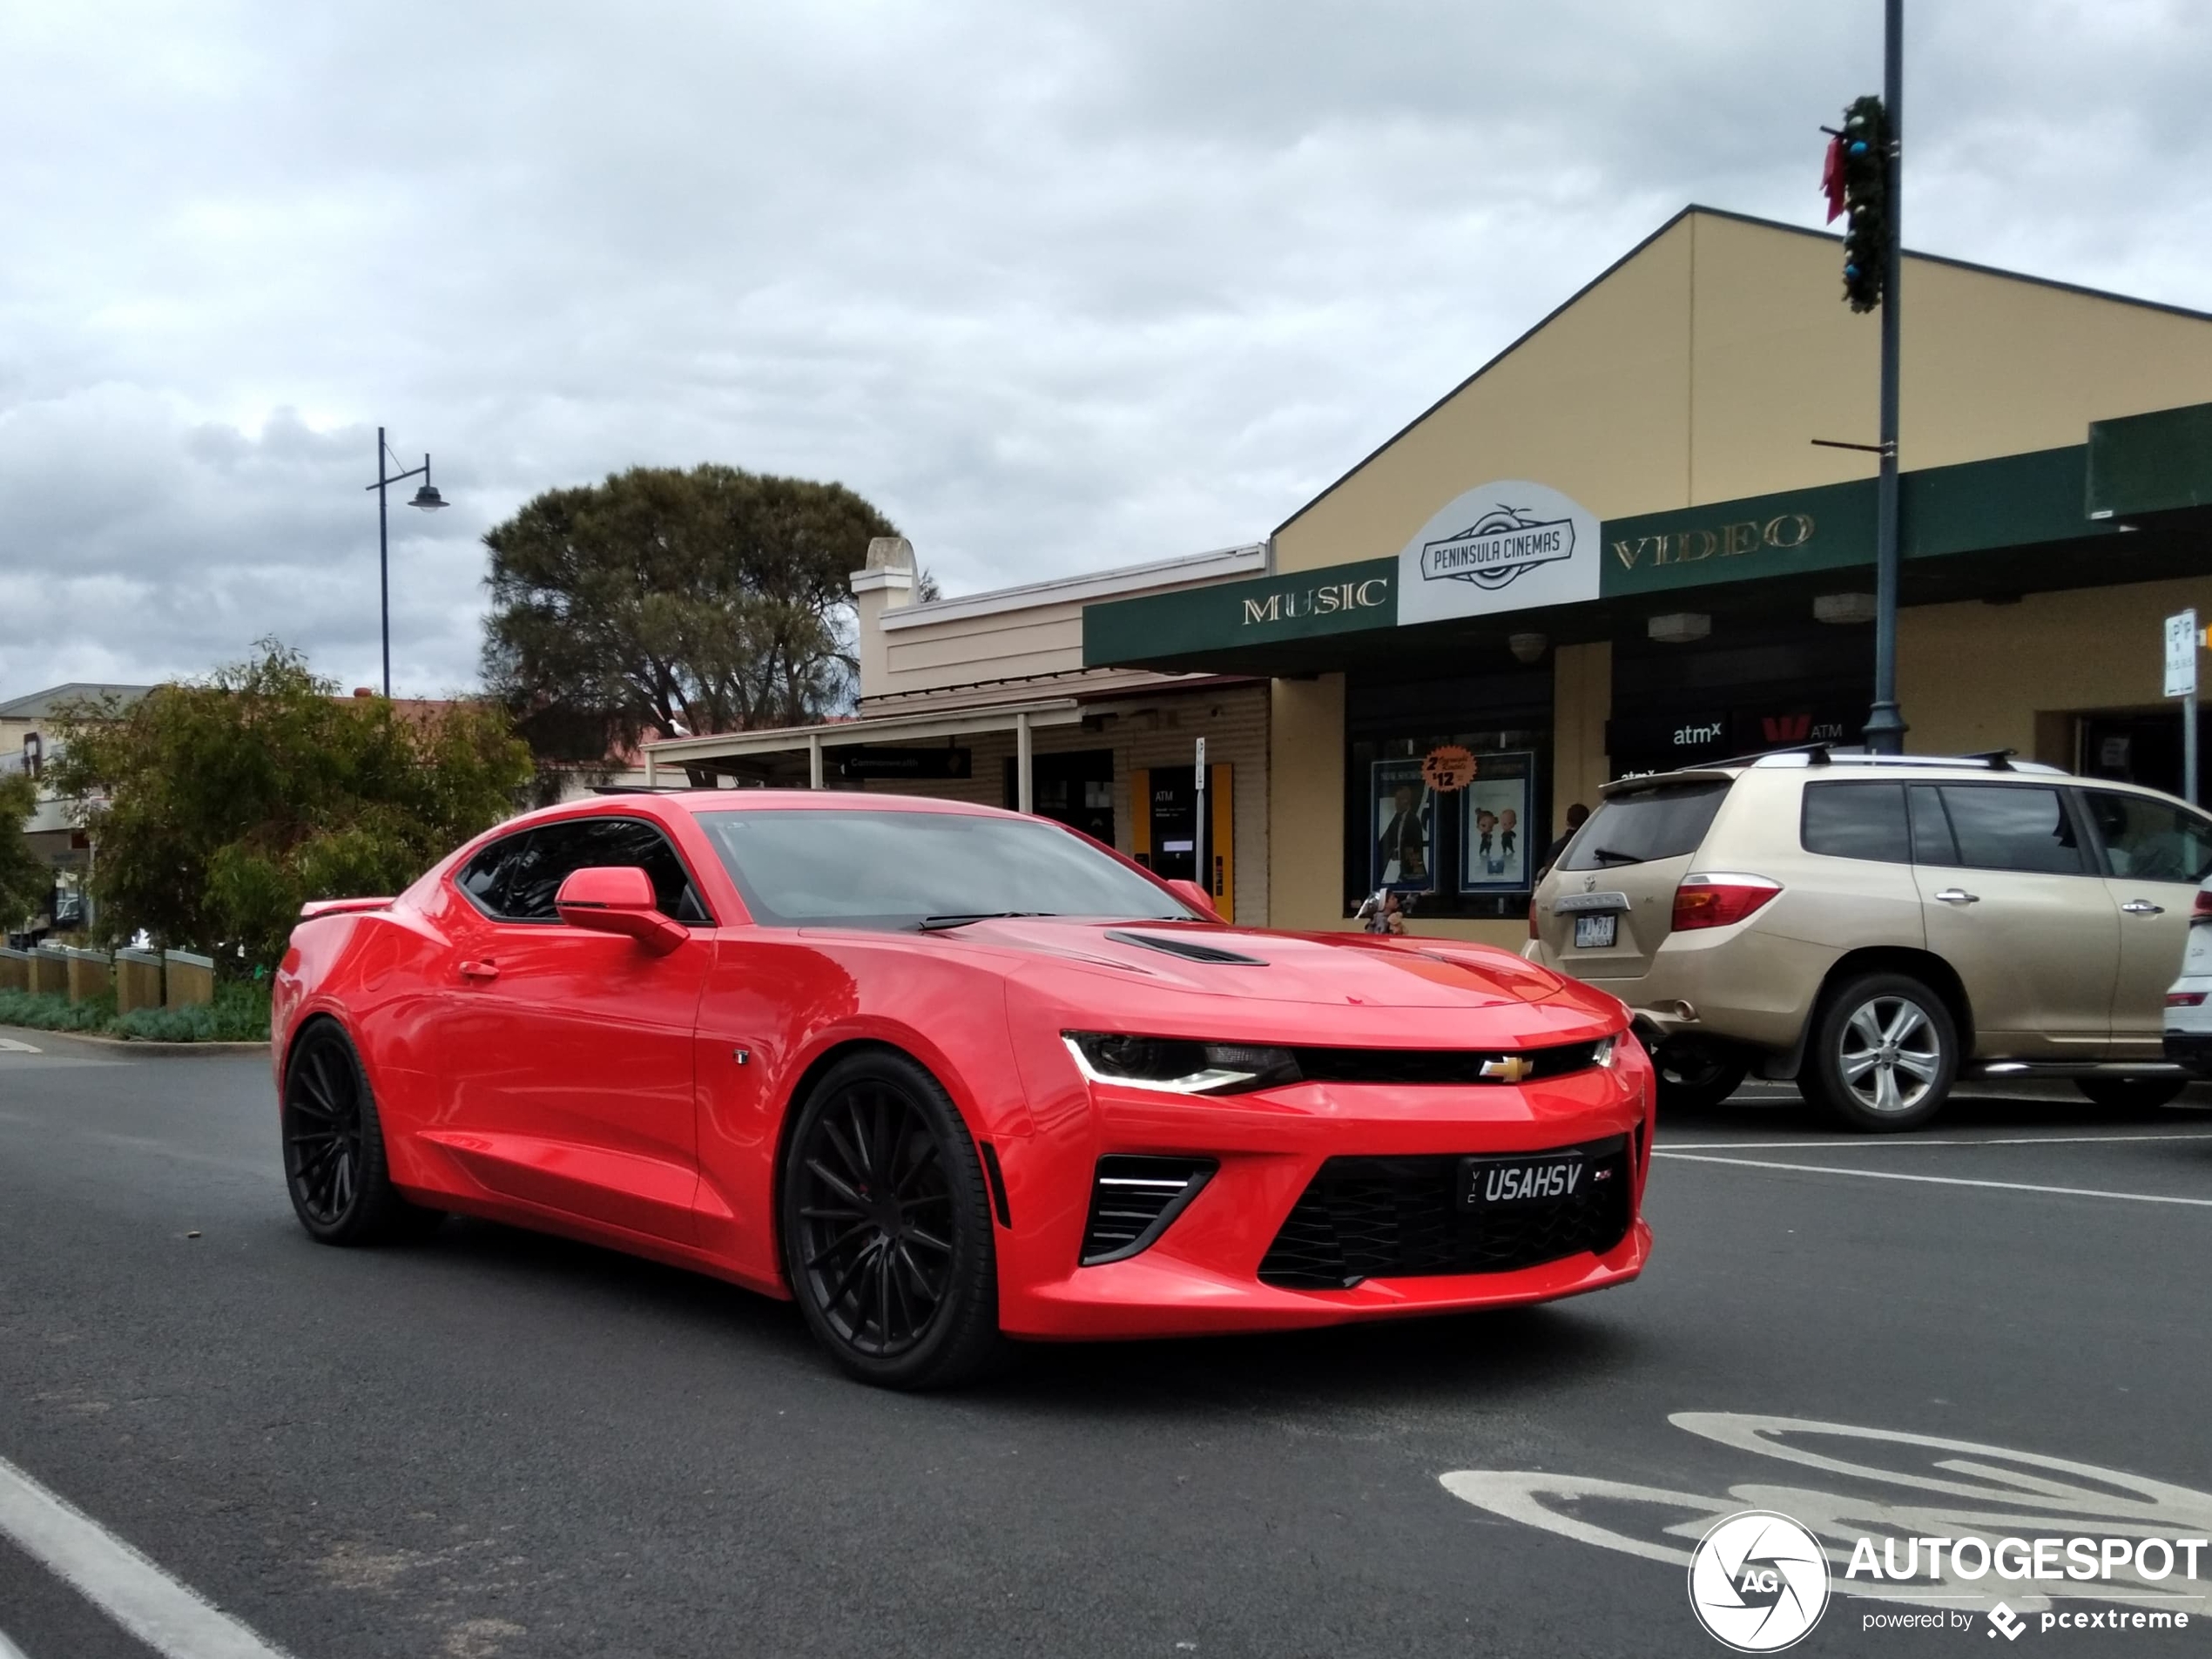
(1202, 1275)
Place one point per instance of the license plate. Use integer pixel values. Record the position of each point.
(1596, 933)
(1491, 1183)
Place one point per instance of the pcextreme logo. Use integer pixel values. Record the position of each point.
(1758, 1582)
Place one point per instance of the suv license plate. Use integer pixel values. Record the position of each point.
(1596, 933)
(1499, 1184)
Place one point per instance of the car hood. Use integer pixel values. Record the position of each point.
(1337, 970)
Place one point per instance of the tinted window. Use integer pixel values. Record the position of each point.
(1663, 823)
(2150, 840)
(515, 879)
(2012, 827)
(1931, 842)
(1857, 821)
(890, 869)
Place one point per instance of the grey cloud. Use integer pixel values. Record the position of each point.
(1057, 286)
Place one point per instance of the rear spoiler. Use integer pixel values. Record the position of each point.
(315, 907)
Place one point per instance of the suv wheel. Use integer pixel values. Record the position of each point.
(1693, 1077)
(2130, 1094)
(1884, 1054)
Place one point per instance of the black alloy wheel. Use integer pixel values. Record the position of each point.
(886, 1226)
(333, 1147)
(1694, 1077)
(2130, 1094)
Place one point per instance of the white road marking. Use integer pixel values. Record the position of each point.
(172, 1619)
(1880, 1142)
(8, 1045)
(1937, 1180)
(8, 1649)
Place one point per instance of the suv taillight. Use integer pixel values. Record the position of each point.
(2201, 910)
(1719, 900)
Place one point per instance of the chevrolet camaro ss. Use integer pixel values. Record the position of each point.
(948, 1076)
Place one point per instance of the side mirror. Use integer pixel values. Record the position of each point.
(1196, 896)
(618, 898)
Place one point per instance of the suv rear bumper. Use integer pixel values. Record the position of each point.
(1735, 984)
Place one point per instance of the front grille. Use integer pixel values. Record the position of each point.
(1133, 1199)
(1433, 1065)
(1400, 1218)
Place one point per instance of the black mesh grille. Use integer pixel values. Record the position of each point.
(1438, 1065)
(1132, 1201)
(1400, 1218)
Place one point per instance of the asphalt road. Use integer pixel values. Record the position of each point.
(500, 1445)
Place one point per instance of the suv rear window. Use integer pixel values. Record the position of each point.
(1666, 822)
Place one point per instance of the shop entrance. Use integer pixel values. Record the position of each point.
(1075, 789)
(2138, 748)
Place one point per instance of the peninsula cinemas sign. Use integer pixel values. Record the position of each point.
(1511, 545)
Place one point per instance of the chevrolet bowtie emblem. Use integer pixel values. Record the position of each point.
(1511, 1069)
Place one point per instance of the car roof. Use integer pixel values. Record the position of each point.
(607, 802)
(1822, 759)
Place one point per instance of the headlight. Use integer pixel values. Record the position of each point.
(1604, 1050)
(1178, 1065)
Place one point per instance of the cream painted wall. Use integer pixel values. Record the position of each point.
(1582, 700)
(1701, 369)
(1974, 676)
(1305, 803)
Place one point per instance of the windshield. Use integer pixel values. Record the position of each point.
(899, 869)
(1663, 823)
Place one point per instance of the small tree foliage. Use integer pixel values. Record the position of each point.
(218, 808)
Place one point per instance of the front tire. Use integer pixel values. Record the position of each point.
(1884, 1054)
(334, 1166)
(2130, 1094)
(886, 1227)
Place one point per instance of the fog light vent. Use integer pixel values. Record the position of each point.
(1133, 1200)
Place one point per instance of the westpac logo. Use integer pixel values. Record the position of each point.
(1493, 552)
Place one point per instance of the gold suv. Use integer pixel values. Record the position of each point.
(1876, 927)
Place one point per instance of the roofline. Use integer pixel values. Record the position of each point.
(1741, 218)
(1094, 584)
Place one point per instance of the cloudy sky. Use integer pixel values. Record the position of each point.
(1057, 286)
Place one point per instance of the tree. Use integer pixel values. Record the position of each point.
(26, 882)
(712, 600)
(217, 808)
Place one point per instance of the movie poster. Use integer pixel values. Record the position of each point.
(1404, 811)
(1496, 854)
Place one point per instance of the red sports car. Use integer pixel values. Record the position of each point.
(948, 1076)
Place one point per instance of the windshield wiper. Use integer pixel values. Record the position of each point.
(1612, 856)
(931, 924)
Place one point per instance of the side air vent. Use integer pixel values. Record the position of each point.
(1133, 1200)
(1190, 949)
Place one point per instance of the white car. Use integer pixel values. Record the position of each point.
(2188, 1000)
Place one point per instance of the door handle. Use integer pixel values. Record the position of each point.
(479, 970)
(1959, 895)
(2143, 907)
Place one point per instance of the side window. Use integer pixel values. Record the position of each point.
(1856, 821)
(2150, 840)
(1931, 842)
(517, 878)
(2000, 826)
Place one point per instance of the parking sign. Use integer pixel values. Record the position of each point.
(2181, 654)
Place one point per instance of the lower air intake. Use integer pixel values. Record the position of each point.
(1133, 1199)
(1401, 1217)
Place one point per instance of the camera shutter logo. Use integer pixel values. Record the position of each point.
(1758, 1582)
(1497, 547)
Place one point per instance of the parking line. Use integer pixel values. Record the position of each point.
(1935, 1180)
(172, 1619)
(8, 1649)
(1874, 1143)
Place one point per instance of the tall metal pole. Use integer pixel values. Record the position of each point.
(383, 564)
(1885, 726)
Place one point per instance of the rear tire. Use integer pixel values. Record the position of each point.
(886, 1225)
(334, 1166)
(1883, 1054)
(1692, 1077)
(2130, 1094)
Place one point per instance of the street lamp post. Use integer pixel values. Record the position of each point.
(1886, 724)
(428, 500)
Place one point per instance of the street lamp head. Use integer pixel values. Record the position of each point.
(427, 499)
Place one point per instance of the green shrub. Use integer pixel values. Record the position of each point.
(239, 1013)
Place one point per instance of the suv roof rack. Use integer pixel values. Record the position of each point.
(1995, 759)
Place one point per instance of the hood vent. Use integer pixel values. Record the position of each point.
(1190, 949)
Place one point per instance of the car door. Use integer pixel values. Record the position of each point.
(2155, 852)
(567, 1054)
(2012, 899)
